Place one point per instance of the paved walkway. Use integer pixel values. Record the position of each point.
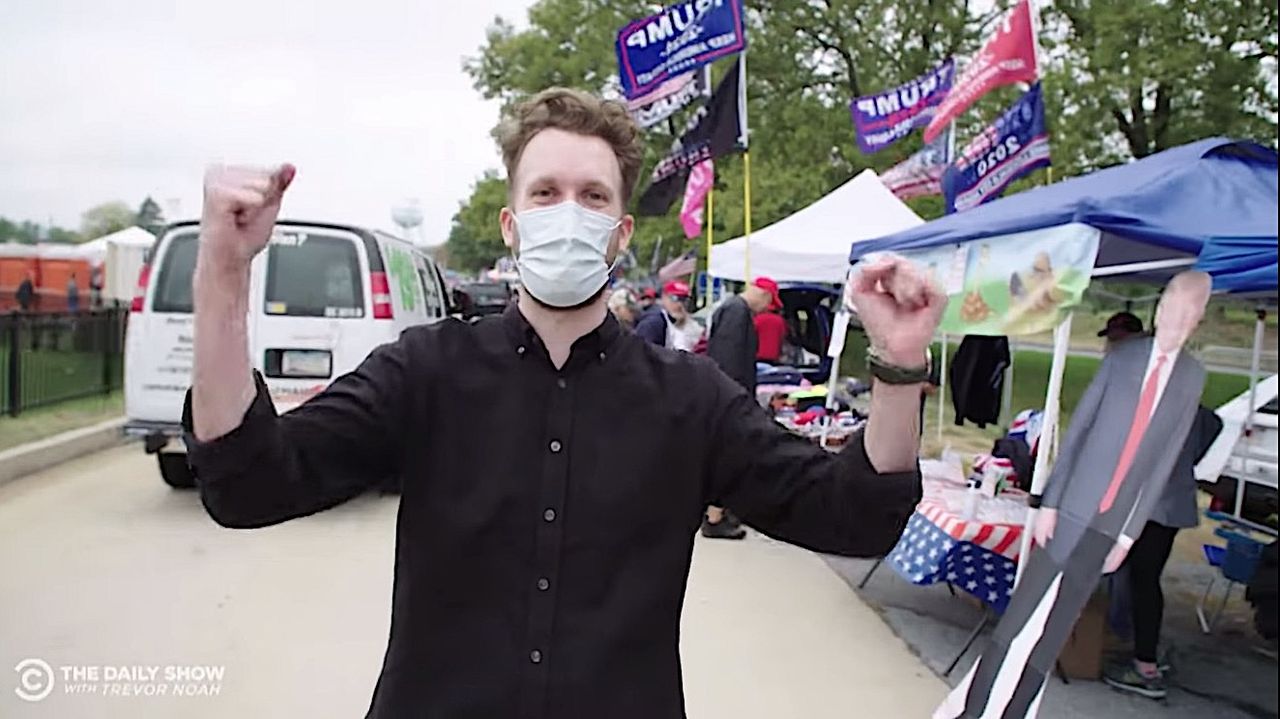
(104, 565)
(770, 632)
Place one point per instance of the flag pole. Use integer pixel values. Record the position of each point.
(711, 230)
(746, 201)
(746, 165)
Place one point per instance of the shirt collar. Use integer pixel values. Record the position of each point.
(1169, 357)
(524, 338)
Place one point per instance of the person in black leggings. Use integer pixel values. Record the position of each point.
(1146, 560)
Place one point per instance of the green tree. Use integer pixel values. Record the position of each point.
(106, 218)
(8, 230)
(1128, 79)
(474, 237)
(29, 233)
(64, 236)
(150, 217)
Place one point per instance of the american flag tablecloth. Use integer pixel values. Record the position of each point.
(977, 556)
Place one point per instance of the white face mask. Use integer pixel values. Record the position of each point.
(563, 251)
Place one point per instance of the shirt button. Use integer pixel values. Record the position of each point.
(555, 446)
(520, 350)
(601, 356)
(561, 383)
(549, 515)
(535, 656)
(543, 584)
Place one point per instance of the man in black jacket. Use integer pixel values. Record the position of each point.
(732, 343)
(554, 468)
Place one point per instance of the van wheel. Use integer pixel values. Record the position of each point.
(174, 470)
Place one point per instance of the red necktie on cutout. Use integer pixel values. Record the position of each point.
(1141, 418)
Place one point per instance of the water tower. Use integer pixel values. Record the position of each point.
(408, 215)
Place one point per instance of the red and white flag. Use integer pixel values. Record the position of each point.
(1008, 57)
(701, 177)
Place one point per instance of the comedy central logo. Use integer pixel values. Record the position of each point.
(35, 679)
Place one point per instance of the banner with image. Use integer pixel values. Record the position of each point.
(682, 37)
(1017, 284)
(885, 117)
(1014, 145)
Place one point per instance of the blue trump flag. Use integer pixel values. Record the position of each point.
(886, 117)
(682, 37)
(1014, 145)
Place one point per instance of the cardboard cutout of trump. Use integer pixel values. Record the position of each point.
(1117, 456)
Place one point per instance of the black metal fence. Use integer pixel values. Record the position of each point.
(53, 357)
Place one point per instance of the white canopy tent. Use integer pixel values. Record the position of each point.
(95, 251)
(812, 245)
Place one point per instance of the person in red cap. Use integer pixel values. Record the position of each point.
(771, 329)
(669, 325)
(648, 298)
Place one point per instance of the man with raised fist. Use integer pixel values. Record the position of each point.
(554, 468)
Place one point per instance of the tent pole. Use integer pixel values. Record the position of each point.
(942, 389)
(1048, 434)
(1255, 365)
(834, 352)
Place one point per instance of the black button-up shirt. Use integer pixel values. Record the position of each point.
(547, 516)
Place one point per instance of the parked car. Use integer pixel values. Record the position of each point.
(322, 296)
(484, 298)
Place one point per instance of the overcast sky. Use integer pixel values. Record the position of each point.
(119, 100)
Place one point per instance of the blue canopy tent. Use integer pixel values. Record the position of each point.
(1210, 204)
(1155, 215)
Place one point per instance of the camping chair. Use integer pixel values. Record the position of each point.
(1237, 563)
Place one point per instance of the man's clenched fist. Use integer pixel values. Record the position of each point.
(240, 208)
(899, 307)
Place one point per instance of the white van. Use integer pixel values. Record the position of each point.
(321, 297)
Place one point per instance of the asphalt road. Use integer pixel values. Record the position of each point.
(108, 576)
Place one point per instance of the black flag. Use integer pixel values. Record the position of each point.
(714, 130)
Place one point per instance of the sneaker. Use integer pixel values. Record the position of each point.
(1129, 679)
(724, 529)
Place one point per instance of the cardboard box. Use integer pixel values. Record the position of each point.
(1081, 658)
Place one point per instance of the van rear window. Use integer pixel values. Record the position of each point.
(173, 283)
(313, 276)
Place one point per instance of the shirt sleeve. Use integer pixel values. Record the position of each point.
(275, 467)
(793, 490)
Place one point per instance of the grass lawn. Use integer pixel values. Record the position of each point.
(1227, 324)
(45, 422)
(1031, 381)
(52, 375)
